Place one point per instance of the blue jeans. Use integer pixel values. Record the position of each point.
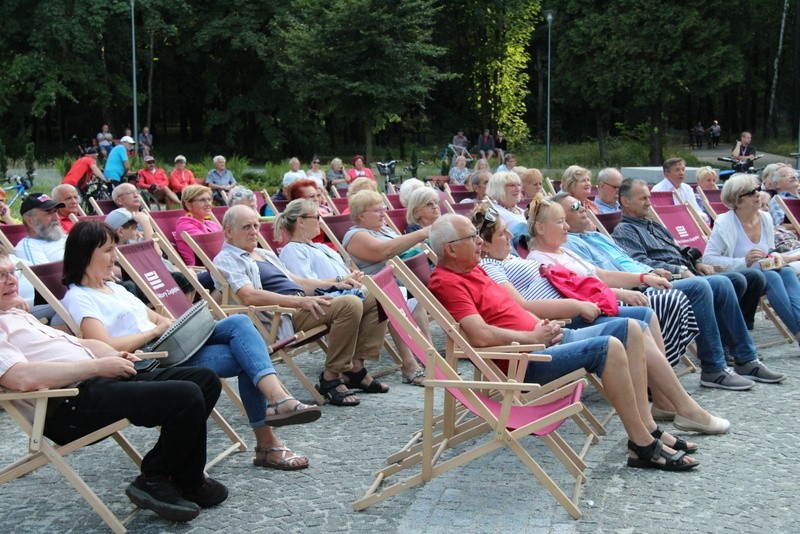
(716, 308)
(643, 314)
(237, 349)
(585, 347)
(749, 286)
(783, 291)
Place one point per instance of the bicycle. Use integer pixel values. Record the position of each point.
(20, 184)
(96, 188)
(739, 166)
(386, 170)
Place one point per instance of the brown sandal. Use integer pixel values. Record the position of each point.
(284, 463)
(299, 415)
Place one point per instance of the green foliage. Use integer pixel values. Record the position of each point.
(3, 161)
(236, 164)
(30, 156)
(63, 164)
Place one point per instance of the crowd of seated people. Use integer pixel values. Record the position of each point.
(650, 301)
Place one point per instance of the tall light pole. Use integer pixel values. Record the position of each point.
(549, 15)
(135, 130)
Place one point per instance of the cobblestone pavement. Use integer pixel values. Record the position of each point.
(746, 483)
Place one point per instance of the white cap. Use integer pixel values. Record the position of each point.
(127, 139)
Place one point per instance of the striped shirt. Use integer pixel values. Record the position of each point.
(523, 275)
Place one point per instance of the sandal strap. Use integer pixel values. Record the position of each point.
(654, 451)
(278, 403)
(679, 445)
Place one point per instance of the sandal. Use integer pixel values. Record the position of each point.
(299, 415)
(412, 378)
(357, 381)
(284, 463)
(327, 389)
(647, 457)
(679, 445)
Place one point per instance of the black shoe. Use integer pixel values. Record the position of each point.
(161, 496)
(209, 494)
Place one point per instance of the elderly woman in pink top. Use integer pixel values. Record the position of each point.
(197, 201)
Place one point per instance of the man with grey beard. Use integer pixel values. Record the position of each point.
(46, 239)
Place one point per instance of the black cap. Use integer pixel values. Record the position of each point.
(41, 201)
(91, 151)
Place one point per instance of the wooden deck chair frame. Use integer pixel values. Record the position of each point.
(554, 407)
(237, 443)
(98, 210)
(596, 222)
(18, 231)
(281, 349)
(42, 451)
(457, 346)
(789, 210)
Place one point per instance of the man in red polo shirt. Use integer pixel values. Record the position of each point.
(155, 180)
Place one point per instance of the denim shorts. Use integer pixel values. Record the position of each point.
(584, 347)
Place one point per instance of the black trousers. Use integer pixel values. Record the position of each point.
(177, 399)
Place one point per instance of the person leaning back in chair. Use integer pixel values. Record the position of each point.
(489, 316)
(259, 278)
(179, 400)
(744, 153)
(650, 243)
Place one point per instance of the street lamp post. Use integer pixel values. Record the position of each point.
(549, 15)
(133, 72)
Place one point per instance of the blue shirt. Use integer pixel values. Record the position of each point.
(115, 165)
(604, 253)
(606, 208)
(776, 211)
(214, 177)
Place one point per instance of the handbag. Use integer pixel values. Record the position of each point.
(585, 288)
(186, 335)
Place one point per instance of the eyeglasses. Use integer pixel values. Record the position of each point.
(575, 206)
(749, 193)
(204, 200)
(474, 238)
(317, 216)
(5, 274)
(316, 161)
(610, 185)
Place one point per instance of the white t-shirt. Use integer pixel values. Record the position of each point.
(313, 260)
(38, 251)
(121, 312)
(292, 176)
(318, 177)
(684, 194)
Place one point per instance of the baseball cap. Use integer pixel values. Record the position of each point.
(118, 218)
(127, 139)
(39, 200)
(180, 158)
(149, 158)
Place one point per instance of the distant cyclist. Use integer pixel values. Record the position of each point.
(81, 172)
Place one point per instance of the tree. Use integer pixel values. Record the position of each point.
(368, 60)
(643, 55)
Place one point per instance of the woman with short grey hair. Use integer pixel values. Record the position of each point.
(242, 195)
(505, 190)
(745, 238)
(423, 209)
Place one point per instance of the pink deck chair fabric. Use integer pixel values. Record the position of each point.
(681, 225)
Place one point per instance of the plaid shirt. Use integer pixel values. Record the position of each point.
(650, 243)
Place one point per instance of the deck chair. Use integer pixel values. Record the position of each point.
(335, 227)
(11, 234)
(266, 238)
(688, 231)
(462, 209)
(340, 203)
(605, 222)
(102, 207)
(42, 451)
(455, 187)
(662, 198)
(164, 226)
(717, 208)
(76, 218)
(508, 420)
(46, 280)
(277, 206)
(218, 212)
(458, 196)
(260, 199)
(392, 201)
(206, 247)
(790, 206)
(396, 219)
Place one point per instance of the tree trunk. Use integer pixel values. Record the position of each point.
(656, 134)
(601, 120)
(770, 126)
(150, 81)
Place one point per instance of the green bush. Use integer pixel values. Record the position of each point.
(3, 161)
(63, 164)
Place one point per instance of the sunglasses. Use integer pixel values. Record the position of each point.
(749, 193)
(317, 216)
(490, 217)
(575, 206)
(538, 207)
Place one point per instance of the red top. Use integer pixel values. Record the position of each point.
(353, 174)
(157, 177)
(180, 178)
(79, 169)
